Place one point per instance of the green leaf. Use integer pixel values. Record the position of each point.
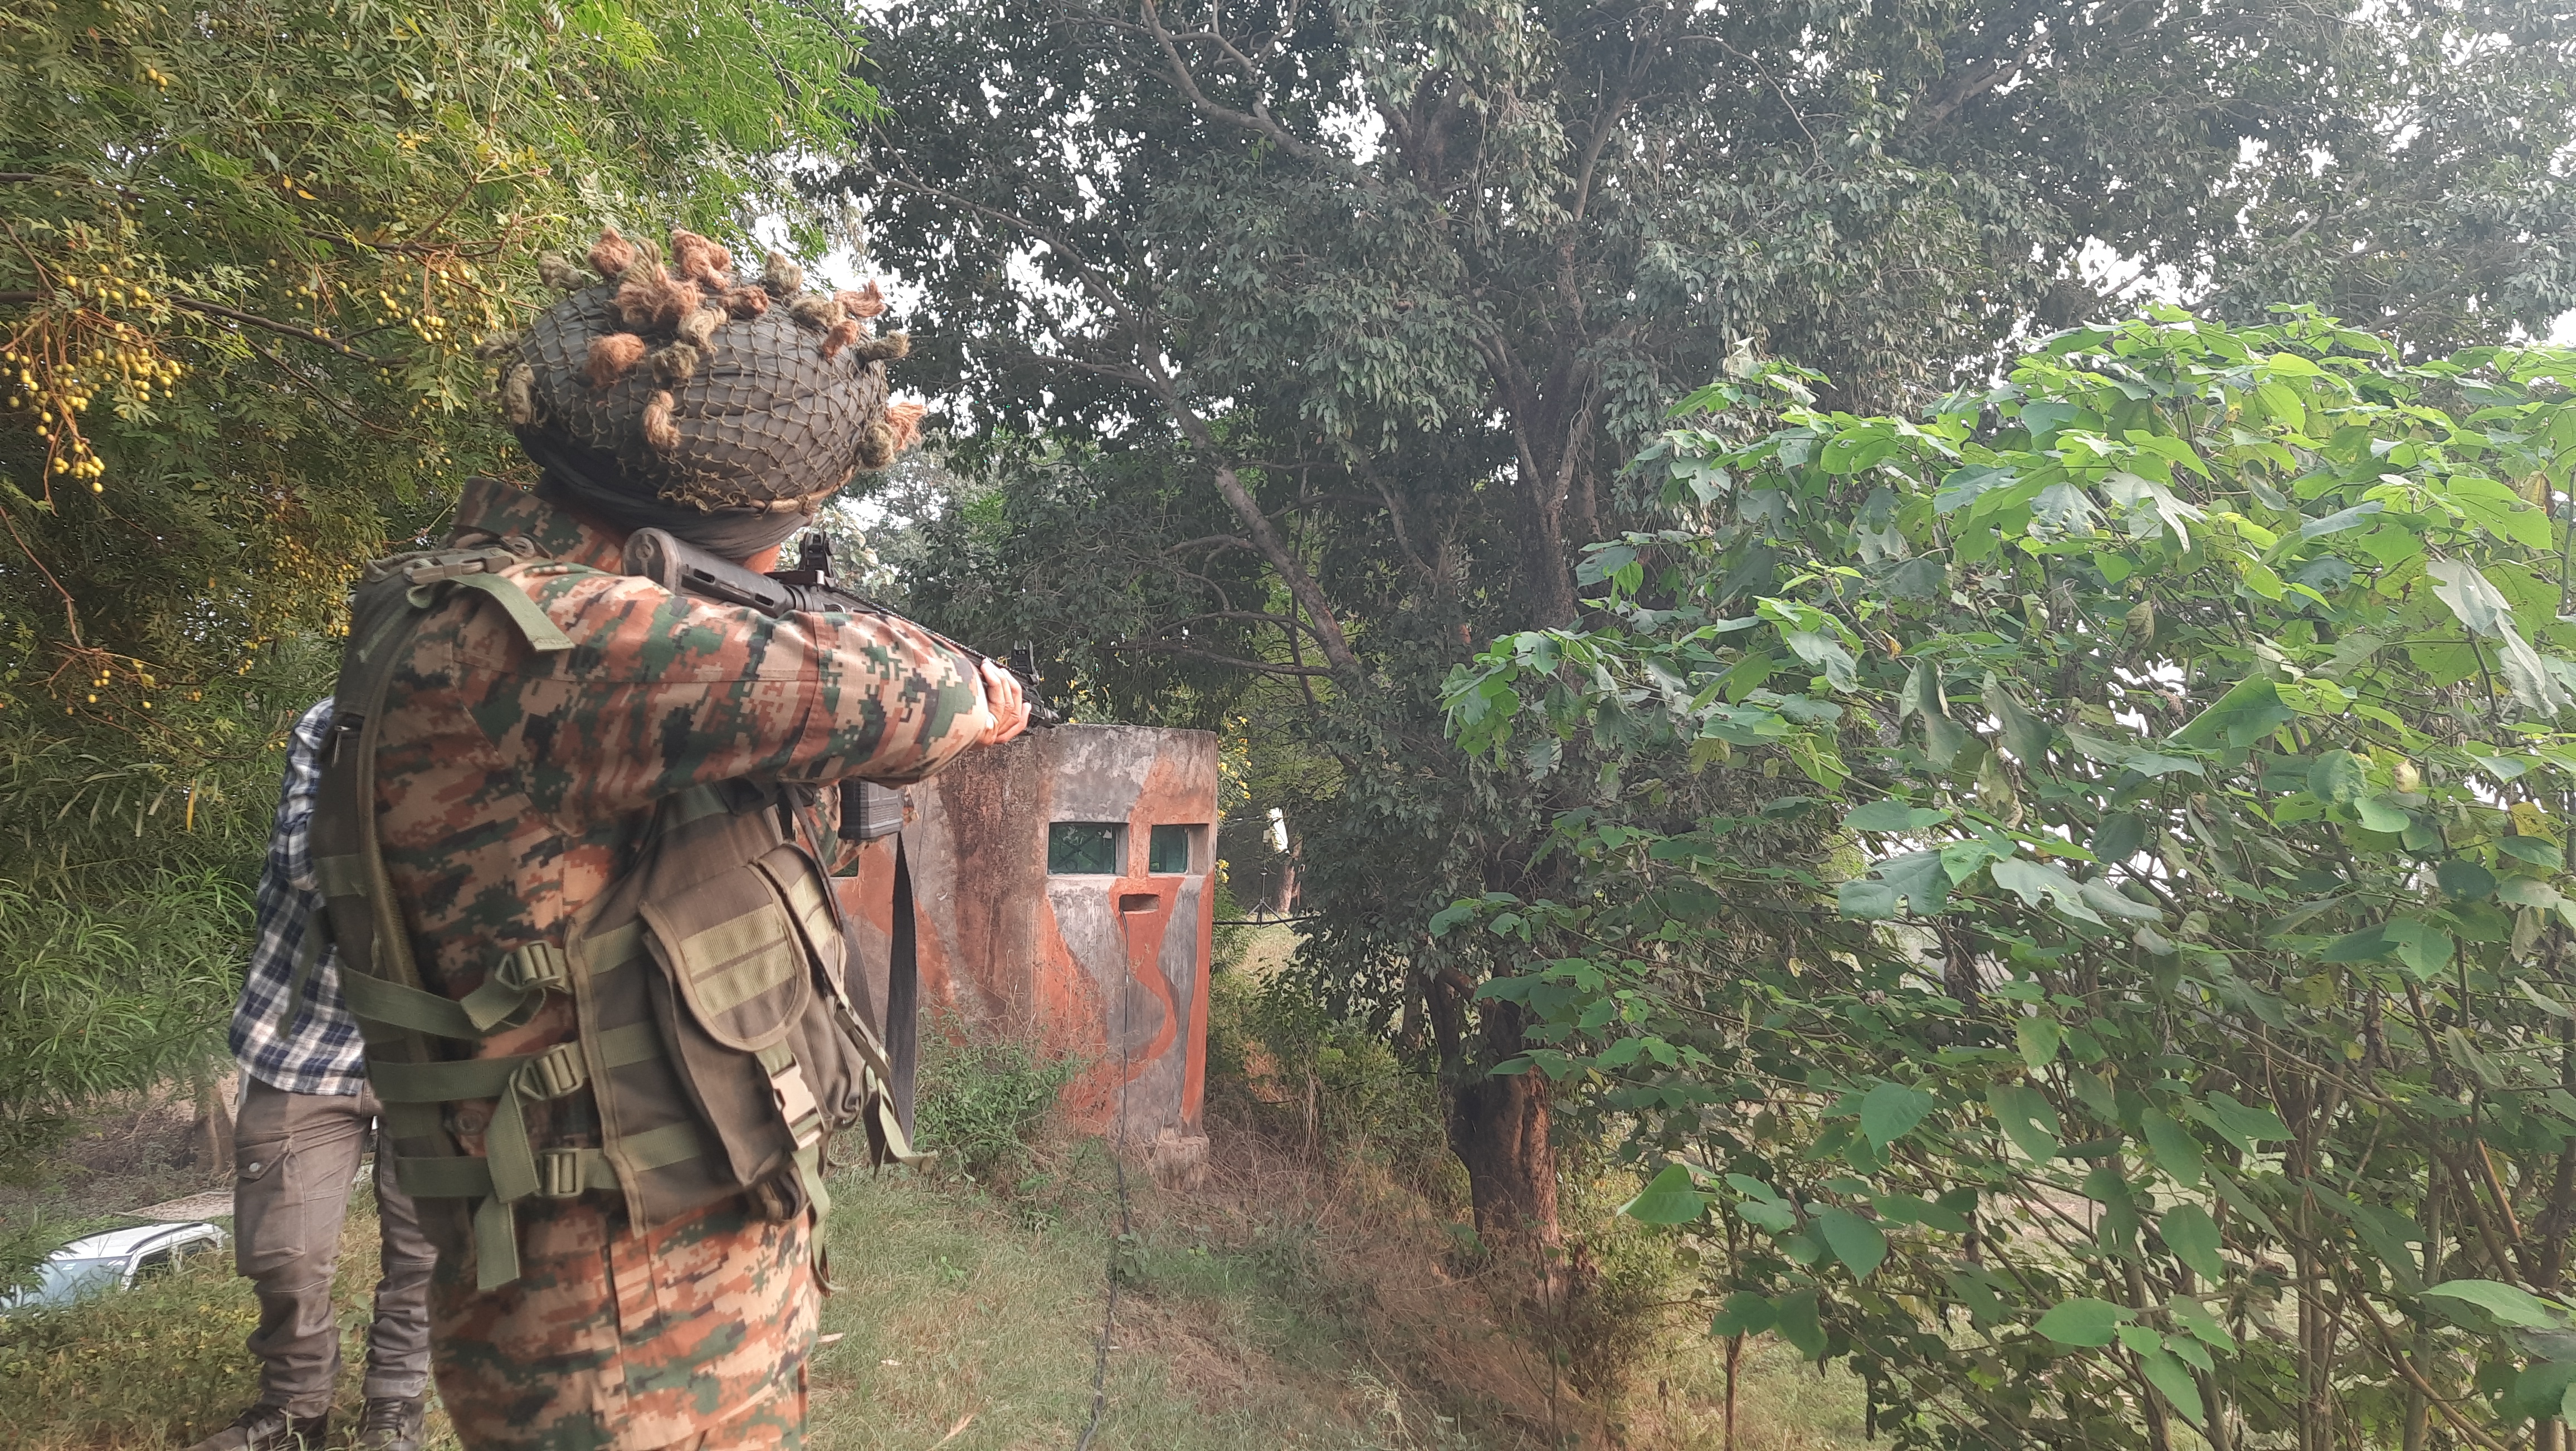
(1743, 1313)
(2338, 776)
(2110, 901)
(2250, 710)
(2025, 735)
(2027, 1119)
(2529, 892)
(2172, 1381)
(1913, 1209)
(2461, 877)
(1943, 738)
(2194, 1317)
(1890, 1110)
(2193, 1237)
(2084, 1322)
(1800, 1325)
(1916, 880)
(2244, 1126)
(1890, 814)
(2035, 882)
(1670, 1199)
(2379, 813)
(2176, 1151)
(2386, 1233)
(2540, 851)
(2506, 1304)
(1854, 1240)
(2367, 945)
(2485, 613)
(2424, 949)
(2038, 1038)
(2119, 837)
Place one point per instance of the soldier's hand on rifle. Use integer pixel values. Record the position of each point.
(1005, 702)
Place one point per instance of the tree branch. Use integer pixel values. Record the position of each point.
(1168, 647)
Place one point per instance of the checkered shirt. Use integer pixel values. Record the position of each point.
(318, 1050)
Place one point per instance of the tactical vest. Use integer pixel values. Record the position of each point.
(717, 1044)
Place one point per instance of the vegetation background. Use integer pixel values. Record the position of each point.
(1290, 354)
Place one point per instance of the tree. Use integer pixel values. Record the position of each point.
(249, 251)
(1352, 313)
(2081, 897)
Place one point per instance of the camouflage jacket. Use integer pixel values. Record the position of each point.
(513, 788)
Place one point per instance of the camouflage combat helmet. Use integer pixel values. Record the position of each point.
(684, 385)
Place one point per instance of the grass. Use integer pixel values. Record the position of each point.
(1316, 1291)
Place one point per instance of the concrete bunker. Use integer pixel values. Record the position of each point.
(1064, 890)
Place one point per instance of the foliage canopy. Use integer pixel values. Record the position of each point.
(2075, 888)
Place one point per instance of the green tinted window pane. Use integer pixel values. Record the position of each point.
(1167, 851)
(1083, 848)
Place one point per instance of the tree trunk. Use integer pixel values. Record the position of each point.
(1498, 1127)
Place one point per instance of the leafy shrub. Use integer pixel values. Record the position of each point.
(2076, 908)
(981, 1099)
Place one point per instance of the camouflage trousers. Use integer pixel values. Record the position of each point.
(690, 1336)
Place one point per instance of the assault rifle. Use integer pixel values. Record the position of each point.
(684, 568)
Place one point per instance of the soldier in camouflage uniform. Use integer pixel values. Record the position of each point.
(513, 789)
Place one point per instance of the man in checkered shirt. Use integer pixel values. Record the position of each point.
(306, 1116)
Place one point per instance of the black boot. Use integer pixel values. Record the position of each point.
(389, 1424)
(269, 1428)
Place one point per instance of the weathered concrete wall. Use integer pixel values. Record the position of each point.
(1110, 967)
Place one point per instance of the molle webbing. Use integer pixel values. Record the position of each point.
(716, 1044)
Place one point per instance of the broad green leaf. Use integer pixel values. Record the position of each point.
(2528, 892)
(2338, 776)
(1670, 1199)
(2341, 519)
(1891, 1110)
(1943, 738)
(2246, 1127)
(1854, 1240)
(2194, 1317)
(2084, 1322)
(2381, 814)
(2172, 1381)
(2484, 612)
(2038, 1038)
(2461, 877)
(1913, 1209)
(2540, 851)
(1743, 1313)
(2386, 1233)
(2119, 838)
(2250, 710)
(2026, 735)
(1890, 814)
(2422, 947)
(2027, 1119)
(2038, 882)
(2110, 901)
(1800, 1325)
(1914, 883)
(2507, 1304)
(2367, 945)
(2176, 1151)
(2193, 1237)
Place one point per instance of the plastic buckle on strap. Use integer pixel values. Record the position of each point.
(535, 967)
(555, 1072)
(451, 566)
(559, 1173)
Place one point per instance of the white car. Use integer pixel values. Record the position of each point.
(112, 1261)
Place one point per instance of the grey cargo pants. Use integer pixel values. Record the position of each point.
(296, 1155)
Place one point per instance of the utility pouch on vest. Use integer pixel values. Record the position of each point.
(716, 1044)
